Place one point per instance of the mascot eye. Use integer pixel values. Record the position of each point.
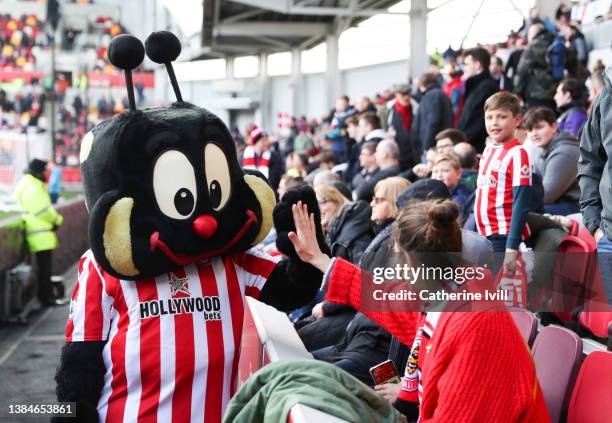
(174, 185)
(217, 176)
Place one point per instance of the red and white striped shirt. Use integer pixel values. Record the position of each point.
(502, 167)
(173, 342)
(250, 160)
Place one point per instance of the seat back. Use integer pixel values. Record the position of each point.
(526, 322)
(575, 260)
(597, 322)
(591, 400)
(556, 352)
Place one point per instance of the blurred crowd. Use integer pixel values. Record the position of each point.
(23, 100)
(17, 38)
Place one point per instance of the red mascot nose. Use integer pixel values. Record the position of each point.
(205, 226)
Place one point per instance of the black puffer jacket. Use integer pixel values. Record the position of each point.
(365, 342)
(477, 89)
(377, 253)
(435, 114)
(332, 329)
(351, 232)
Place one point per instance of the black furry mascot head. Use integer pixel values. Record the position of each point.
(163, 186)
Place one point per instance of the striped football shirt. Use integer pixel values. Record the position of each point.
(171, 343)
(502, 167)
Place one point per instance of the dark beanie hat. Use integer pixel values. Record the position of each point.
(423, 189)
(37, 166)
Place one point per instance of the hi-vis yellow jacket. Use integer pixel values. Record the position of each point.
(39, 216)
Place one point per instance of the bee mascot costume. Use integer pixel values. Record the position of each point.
(156, 315)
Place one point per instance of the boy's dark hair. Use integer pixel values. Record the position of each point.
(328, 157)
(370, 146)
(351, 120)
(455, 135)
(536, 115)
(480, 55)
(504, 100)
(428, 79)
(345, 98)
(371, 118)
(574, 87)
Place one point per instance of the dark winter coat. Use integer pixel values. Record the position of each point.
(361, 178)
(435, 114)
(364, 341)
(328, 330)
(365, 192)
(403, 137)
(377, 253)
(460, 195)
(477, 89)
(348, 236)
(354, 167)
(594, 168)
(533, 80)
(351, 232)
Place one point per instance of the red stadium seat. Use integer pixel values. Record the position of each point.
(526, 322)
(556, 352)
(574, 267)
(599, 323)
(592, 396)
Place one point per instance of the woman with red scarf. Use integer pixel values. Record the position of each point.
(464, 366)
(400, 124)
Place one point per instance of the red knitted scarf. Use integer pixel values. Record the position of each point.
(406, 114)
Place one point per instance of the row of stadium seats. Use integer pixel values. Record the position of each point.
(577, 298)
(580, 392)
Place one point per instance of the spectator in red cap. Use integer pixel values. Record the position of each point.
(260, 157)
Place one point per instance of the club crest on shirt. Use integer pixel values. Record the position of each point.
(525, 171)
(492, 182)
(178, 285)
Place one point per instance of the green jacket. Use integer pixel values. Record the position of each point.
(269, 395)
(533, 78)
(303, 143)
(40, 218)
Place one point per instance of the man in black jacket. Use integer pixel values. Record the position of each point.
(434, 113)
(399, 122)
(387, 158)
(478, 87)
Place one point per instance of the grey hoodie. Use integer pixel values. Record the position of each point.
(594, 168)
(559, 176)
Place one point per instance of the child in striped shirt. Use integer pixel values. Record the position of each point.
(503, 192)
